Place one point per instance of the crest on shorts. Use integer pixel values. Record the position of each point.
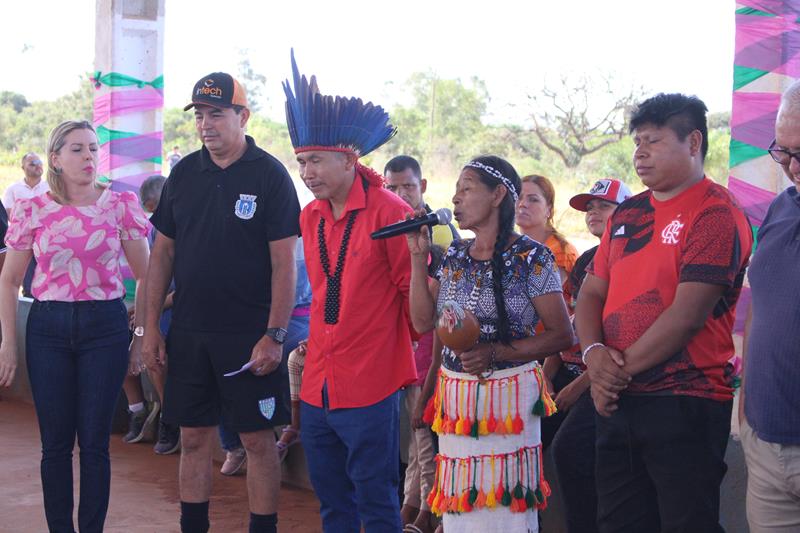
(245, 206)
(267, 407)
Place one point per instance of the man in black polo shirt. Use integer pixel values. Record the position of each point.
(227, 226)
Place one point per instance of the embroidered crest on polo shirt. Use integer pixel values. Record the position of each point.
(245, 206)
(671, 232)
(267, 407)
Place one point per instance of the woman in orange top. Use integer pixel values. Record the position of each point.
(535, 210)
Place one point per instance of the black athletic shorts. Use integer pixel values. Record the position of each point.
(197, 393)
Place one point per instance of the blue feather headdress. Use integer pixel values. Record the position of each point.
(323, 122)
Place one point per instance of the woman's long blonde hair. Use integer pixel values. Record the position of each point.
(550, 197)
(54, 145)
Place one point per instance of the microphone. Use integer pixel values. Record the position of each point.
(440, 216)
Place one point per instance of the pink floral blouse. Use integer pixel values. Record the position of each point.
(77, 248)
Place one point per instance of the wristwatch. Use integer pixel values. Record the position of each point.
(277, 334)
(138, 331)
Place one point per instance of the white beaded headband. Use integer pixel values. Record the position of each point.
(496, 174)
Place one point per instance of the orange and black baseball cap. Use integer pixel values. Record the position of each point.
(218, 89)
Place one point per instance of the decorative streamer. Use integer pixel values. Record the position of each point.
(122, 148)
(124, 151)
(105, 135)
(126, 102)
(115, 79)
(766, 61)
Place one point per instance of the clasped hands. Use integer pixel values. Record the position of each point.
(607, 377)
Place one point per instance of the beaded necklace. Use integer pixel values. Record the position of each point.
(334, 285)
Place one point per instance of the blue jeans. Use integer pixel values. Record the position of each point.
(77, 357)
(352, 462)
(297, 331)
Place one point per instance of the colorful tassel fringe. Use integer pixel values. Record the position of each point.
(455, 408)
(516, 481)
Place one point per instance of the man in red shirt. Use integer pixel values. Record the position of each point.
(359, 349)
(654, 319)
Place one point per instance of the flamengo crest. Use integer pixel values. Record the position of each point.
(245, 206)
(671, 232)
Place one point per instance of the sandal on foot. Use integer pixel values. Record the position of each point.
(411, 528)
(283, 447)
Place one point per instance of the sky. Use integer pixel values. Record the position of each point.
(370, 48)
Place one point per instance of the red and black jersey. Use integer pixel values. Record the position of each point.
(701, 235)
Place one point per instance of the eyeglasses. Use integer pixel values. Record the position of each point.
(781, 155)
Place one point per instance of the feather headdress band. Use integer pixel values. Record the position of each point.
(322, 122)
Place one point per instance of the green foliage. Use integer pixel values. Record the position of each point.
(17, 101)
(442, 125)
(254, 82)
(717, 158)
(27, 130)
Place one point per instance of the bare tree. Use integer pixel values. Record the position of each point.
(254, 82)
(581, 116)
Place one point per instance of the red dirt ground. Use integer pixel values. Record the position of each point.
(144, 488)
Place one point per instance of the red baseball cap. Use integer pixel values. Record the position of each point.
(219, 90)
(608, 189)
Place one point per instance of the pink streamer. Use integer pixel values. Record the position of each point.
(109, 161)
(753, 29)
(752, 106)
(754, 200)
(118, 103)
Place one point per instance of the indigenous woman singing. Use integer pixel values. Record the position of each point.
(487, 397)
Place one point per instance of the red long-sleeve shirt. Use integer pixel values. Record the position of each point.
(367, 355)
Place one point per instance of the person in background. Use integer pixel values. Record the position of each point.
(141, 415)
(31, 185)
(174, 157)
(3, 229)
(77, 341)
(769, 408)
(535, 213)
(571, 430)
(403, 177)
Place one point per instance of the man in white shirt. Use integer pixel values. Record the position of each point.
(31, 185)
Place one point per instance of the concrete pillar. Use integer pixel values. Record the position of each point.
(129, 41)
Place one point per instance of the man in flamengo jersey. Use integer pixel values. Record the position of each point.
(654, 319)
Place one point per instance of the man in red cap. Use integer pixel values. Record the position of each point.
(227, 227)
(570, 432)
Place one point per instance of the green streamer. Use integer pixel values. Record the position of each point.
(105, 135)
(742, 152)
(115, 79)
(753, 11)
(744, 75)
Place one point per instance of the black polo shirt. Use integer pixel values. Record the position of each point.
(222, 221)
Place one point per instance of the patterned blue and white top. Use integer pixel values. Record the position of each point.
(529, 271)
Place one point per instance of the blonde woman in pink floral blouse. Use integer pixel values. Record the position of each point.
(77, 340)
